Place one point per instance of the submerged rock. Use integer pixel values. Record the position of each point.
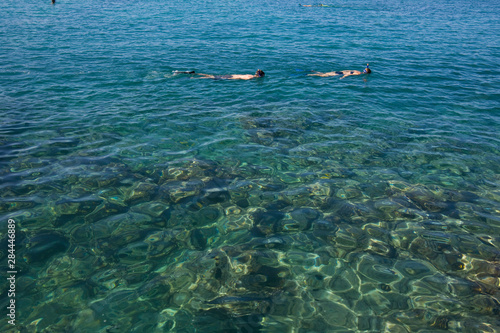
(69, 209)
(152, 208)
(180, 191)
(140, 192)
(266, 223)
(105, 210)
(206, 216)
(305, 216)
(198, 240)
(217, 320)
(43, 246)
(214, 196)
(378, 269)
(264, 277)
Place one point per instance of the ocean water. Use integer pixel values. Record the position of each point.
(151, 202)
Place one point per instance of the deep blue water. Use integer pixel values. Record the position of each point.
(152, 202)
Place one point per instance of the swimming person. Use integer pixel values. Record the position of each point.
(345, 73)
(258, 73)
(320, 5)
(183, 72)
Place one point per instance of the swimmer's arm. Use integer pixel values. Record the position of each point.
(205, 76)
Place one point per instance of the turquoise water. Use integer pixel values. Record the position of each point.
(153, 202)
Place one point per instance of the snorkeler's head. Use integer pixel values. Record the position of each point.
(367, 69)
(260, 73)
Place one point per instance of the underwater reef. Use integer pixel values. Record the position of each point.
(305, 241)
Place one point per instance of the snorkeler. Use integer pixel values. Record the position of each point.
(258, 73)
(345, 73)
(320, 5)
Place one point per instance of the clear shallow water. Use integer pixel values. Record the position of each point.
(152, 202)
